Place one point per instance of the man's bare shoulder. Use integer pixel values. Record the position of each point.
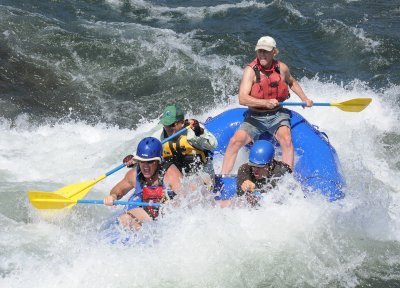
(248, 69)
(248, 73)
(283, 67)
(130, 176)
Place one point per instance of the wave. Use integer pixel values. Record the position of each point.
(192, 13)
(339, 241)
(83, 82)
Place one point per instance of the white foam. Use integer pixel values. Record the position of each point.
(192, 13)
(272, 242)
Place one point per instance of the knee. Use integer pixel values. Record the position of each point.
(129, 220)
(237, 142)
(224, 203)
(286, 141)
(124, 220)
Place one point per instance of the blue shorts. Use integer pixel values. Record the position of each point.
(257, 123)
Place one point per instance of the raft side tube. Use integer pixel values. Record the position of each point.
(224, 125)
(317, 167)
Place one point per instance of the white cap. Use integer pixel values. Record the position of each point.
(266, 43)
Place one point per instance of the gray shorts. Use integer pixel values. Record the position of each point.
(257, 123)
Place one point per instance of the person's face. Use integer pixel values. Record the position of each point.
(265, 56)
(260, 172)
(148, 168)
(174, 127)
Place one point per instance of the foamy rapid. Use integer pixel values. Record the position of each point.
(273, 242)
(82, 82)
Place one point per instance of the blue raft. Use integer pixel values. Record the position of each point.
(317, 167)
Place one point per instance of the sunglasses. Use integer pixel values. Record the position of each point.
(262, 51)
(266, 166)
(148, 162)
(171, 125)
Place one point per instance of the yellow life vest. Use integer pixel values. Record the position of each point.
(183, 155)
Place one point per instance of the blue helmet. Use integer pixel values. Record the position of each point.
(261, 153)
(149, 149)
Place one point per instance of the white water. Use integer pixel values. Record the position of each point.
(290, 241)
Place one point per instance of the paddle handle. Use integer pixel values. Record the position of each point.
(88, 201)
(302, 104)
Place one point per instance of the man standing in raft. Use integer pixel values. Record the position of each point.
(264, 84)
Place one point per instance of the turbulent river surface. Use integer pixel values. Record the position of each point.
(81, 82)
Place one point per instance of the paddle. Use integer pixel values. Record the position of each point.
(44, 200)
(77, 191)
(353, 105)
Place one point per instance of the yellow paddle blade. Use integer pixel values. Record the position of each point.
(353, 105)
(76, 191)
(49, 200)
(64, 197)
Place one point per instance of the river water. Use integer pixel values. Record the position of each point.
(81, 82)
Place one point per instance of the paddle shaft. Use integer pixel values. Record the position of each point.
(75, 192)
(88, 201)
(119, 168)
(112, 171)
(115, 170)
(123, 165)
(303, 104)
(175, 134)
(352, 105)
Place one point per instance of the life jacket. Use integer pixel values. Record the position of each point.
(269, 84)
(154, 193)
(187, 158)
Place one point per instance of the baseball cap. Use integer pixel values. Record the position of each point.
(266, 43)
(171, 114)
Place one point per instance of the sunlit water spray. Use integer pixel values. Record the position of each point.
(289, 237)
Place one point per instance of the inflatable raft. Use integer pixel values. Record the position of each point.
(317, 167)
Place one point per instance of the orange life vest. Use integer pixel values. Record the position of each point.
(269, 84)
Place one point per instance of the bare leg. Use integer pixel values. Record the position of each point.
(239, 139)
(224, 203)
(284, 138)
(134, 218)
